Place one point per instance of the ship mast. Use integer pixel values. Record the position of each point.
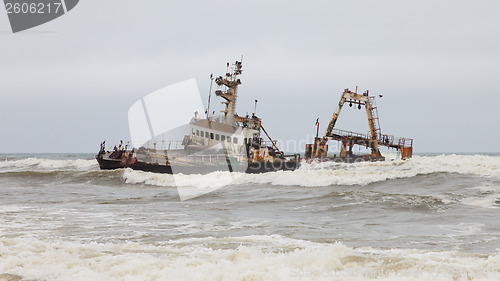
(230, 94)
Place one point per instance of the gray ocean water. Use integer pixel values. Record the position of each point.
(434, 217)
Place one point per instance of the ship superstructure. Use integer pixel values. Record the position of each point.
(225, 143)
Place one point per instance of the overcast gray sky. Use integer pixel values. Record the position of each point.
(67, 85)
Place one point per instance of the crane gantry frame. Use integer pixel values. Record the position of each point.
(373, 140)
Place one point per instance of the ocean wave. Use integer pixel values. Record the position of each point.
(487, 196)
(41, 164)
(331, 173)
(59, 176)
(236, 258)
(308, 175)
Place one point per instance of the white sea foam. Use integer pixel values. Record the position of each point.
(488, 202)
(487, 196)
(330, 173)
(239, 258)
(40, 164)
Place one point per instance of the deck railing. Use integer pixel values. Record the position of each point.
(382, 139)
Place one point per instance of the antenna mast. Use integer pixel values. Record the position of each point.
(230, 94)
(210, 93)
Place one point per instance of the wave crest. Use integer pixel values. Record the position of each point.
(41, 164)
(236, 258)
(331, 173)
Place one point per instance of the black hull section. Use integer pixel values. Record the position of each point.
(264, 167)
(106, 164)
(253, 168)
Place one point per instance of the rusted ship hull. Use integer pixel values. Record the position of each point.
(251, 168)
(112, 164)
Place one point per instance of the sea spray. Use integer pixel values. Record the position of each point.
(332, 173)
(248, 258)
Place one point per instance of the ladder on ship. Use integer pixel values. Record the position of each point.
(373, 117)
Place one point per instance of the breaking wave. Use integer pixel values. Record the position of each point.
(236, 258)
(308, 175)
(330, 173)
(40, 164)
(57, 171)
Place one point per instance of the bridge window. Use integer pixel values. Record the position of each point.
(222, 138)
(217, 137)
(235, 140)
(197, 132)
(228, 139)
(212, 135)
